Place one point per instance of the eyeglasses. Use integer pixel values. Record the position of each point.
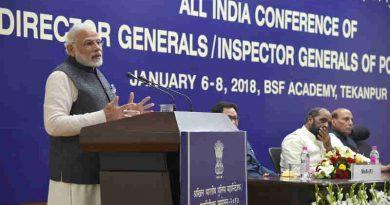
(91, 43)
(233, 118)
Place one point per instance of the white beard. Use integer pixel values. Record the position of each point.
(97, 62)
(83, 60)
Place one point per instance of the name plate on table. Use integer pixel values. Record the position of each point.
(362, 172)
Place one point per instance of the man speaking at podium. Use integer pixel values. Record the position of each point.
(254, 167)
(78, 95)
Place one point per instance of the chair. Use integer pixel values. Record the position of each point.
(274, 153)
(360, 134)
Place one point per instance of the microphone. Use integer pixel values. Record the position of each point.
(144, 81)
(174, 91)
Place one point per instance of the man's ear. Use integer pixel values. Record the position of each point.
(333, 122)
(70, 50)
(310, 119)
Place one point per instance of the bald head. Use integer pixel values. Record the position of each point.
(342, 121)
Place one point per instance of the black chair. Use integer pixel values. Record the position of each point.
(359, 135)
(274, 153)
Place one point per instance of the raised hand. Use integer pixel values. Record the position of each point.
(141, 107)
(114, 112)
(323, 136)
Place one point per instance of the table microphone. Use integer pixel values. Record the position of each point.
(169, 89)
(144, 81)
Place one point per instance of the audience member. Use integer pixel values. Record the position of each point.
(313, 135)
(342, 126)
(254, 167)
(343, 129)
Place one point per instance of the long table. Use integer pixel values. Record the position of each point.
(281, 190)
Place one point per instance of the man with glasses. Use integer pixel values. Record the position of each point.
(255, 169)
(78, 95)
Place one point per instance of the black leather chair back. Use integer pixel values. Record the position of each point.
(274, 153)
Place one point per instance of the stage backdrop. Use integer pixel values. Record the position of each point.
(276, 59)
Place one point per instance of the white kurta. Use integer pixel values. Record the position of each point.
(59, 96)
(293, 144)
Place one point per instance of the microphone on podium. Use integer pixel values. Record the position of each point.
(171, 90)
(144, 81)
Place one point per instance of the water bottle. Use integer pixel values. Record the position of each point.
(305, 163)
(374, 155)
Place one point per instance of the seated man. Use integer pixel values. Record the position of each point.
(254, 167)
(314, 135)
(342, 126)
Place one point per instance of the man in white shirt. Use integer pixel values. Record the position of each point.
(313, 135)
(78, 95)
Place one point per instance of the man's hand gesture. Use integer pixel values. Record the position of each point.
(115, 112)
(140, 107)
(323, 136)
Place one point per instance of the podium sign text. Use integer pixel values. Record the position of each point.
(213, 168)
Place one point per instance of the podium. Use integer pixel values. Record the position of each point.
(139, 156)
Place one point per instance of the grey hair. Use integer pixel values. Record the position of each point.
(69, 39)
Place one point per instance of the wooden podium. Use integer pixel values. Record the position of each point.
(139, 156)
